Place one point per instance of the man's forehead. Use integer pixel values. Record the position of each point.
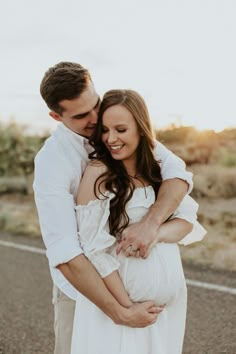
(82, 104)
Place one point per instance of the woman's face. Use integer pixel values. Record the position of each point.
(120, 133)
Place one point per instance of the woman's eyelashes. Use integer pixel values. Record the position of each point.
(105, 130)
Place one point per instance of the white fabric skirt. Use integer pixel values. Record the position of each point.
(160, 278)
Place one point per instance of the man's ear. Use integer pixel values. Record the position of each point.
(55, 116)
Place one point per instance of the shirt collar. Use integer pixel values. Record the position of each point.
(75, 137)
(79, 138)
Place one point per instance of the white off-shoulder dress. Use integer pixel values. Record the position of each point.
(159, 277)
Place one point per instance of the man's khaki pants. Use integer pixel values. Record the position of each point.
(64, 309)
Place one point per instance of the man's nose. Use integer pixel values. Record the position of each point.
(93, 117)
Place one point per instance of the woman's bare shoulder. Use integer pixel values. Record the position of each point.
(95, 168)
(86, 187)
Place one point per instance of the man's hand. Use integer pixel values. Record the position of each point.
(141, 236)
(82, 275)
(140, 314)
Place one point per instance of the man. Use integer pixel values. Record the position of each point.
(69, 93)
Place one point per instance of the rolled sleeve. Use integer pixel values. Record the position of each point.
(172, 166)
(56, 212)
(187, 210)
(63, 251)
(197, 234)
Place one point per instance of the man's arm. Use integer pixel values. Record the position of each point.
(82, 275)
(183, 226)
(176, 183)
(141, 235)
(59, 230)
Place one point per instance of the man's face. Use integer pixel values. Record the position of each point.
(80, 114)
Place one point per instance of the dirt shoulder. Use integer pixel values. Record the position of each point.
(218, 248)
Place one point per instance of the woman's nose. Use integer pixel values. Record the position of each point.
(111, 137)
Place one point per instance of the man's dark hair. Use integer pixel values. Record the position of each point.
(63, 81)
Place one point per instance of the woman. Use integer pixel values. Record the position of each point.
(118, 187)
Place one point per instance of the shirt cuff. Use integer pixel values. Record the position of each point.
(187, 210)
(195, 235)
(187, 177)
(63, 251)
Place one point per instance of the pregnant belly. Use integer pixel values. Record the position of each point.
(158, 278)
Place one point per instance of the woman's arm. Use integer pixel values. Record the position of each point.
(114, 284)
(93, 223)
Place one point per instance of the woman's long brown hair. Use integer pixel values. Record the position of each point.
(116, 179)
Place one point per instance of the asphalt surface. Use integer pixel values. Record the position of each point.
(26, 312)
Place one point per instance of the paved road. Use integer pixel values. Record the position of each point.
(26, 313)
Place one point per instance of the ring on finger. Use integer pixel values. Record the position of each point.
(128, 250)
(137, 253)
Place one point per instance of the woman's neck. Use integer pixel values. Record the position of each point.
(135, 176)
(131, 168)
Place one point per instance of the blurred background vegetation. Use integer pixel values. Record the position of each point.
(209, 155)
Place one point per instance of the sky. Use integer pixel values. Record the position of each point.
(179, 55)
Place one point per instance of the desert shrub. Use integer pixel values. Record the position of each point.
(227, 135)
(176, 134)
(201, 147)
(193, 153)
(187, 134)
(17, 184)
(226, 156)
(214, 181)
(17, 150)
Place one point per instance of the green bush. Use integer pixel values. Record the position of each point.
(226, 157)
(17, 150)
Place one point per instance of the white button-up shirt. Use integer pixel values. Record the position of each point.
(59, 166)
